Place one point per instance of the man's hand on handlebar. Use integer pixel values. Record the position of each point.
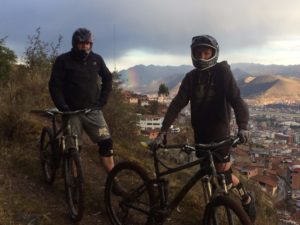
(160, 139)
(244, 136)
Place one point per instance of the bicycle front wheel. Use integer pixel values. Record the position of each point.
(74, 184)
(48, 155)
(224, 210)
(132, 204)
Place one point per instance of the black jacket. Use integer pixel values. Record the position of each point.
(80, 83)
(212, 93)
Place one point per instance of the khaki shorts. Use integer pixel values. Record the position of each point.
(93, 123)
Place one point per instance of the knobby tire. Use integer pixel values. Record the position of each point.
(74, 185)
(226, 204)
(48, 155)
(134, 207)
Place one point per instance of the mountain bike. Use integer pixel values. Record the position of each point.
(146, 200)
(60, 148)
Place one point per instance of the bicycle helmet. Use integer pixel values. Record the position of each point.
(204, 41)
(81, 35)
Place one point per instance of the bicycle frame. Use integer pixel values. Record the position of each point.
(64, 132)
(185, 189)
(206, 174)
(64, 151)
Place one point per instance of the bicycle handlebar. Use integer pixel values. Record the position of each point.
(233, 141)
(187, 148)
(55, 111)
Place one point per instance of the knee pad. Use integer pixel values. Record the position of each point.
(241, 190)
(227, 176)
(106, 147)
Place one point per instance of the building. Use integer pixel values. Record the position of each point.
(284, 137)
(150, 122)
(294, 180)
(267, 183)
(249, 171)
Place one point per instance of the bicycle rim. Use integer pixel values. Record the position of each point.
(74, 185)
(134, 206)
(47, 155)
(224, 210)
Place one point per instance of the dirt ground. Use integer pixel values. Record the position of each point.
(27, 200)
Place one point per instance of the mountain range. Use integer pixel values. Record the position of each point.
(259, 84)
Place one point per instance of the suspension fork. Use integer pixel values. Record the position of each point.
(207, 188)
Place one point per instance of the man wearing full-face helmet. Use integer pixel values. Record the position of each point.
(212, 91)
(80, 80)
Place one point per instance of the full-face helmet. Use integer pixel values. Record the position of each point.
(205, 41)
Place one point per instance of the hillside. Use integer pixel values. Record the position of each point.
(27, 200)
(271, 89)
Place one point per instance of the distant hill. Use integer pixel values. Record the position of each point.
(141, 75)
(271, 89)
(260, 69)
(273, 82)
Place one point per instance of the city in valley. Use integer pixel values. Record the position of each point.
(272, 158)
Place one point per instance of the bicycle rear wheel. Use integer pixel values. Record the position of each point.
(74, 184)
(48, 155)
(224, 210)
(134, 205)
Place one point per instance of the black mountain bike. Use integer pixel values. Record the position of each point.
(145, 200)
(59, 147)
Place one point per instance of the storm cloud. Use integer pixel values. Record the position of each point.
(157, 27)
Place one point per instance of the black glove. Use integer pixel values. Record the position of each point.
(64, 108)
(159, 140)
(244, 136)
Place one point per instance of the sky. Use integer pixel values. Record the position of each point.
(159, 32)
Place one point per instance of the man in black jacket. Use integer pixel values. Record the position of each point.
(80, 80)
(212, 91)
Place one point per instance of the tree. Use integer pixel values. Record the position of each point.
(40, 55)
(7, 60)
(153, 107)
(163, 90)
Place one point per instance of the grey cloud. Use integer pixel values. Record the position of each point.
(160, 26)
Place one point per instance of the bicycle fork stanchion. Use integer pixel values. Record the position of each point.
(207, 188)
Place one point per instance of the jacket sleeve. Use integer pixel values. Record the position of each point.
(233, 96)
(56, 83)
(177, 104)
(106, 84)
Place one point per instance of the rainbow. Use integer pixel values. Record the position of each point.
(131, 77)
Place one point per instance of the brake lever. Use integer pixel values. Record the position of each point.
(186, 150)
